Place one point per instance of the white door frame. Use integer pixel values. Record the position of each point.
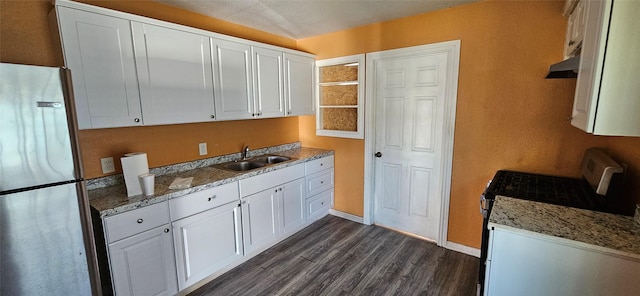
(452, 48)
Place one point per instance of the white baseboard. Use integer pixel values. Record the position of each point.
(347, 216)
(462, 249)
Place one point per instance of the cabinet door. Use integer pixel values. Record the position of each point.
(292, 196)
(207, 242)
(144, 264)
(99, 52)
(299, 81)
(260, 220)
(269, 97)
(233, 80)
(174, 70)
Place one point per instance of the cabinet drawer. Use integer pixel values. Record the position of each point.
(136, 221)
(317, 165)
(319, 182)
(203, 200)
(319, 205)
(267, 180)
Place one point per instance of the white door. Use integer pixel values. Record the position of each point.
(260, 220)
(409, 94)
(299, 74)
(207, 242)
(143, 264)
(268, 92)
(99, 52)
(175, 76)
(233, 80)
(292, 197)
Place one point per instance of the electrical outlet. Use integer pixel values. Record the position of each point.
(203, 148)
(107, 165)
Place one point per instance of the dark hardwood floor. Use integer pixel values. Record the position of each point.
(334, 256)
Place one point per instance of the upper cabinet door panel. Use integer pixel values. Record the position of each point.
(99, 53)
(233, 80)
(175, 75)
(299, 81)
(269, 96)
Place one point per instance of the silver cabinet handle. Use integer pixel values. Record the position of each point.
(213, 116)
(140, 221)
(137, 120)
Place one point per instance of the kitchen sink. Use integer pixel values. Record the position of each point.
(271, 159)
(252, 164)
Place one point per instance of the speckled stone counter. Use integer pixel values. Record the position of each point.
(112, 199)
(608, 233)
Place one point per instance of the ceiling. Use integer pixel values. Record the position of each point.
(299, 19)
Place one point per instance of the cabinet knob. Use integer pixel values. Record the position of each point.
(140, 221)
(321, 182)
(166, 230)
(137, 120)
(210, 198)
(213, 116)
(288, 112)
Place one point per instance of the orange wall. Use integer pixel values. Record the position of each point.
(26, 38)
(508, 115)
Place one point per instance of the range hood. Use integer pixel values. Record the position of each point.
(565, 69)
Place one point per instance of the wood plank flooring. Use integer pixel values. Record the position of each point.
(334, 256)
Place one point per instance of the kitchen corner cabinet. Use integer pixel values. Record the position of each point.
(525, 264)
(299, 93)
(141, 253)
(99, 51)
(174, 75)
(606, 99)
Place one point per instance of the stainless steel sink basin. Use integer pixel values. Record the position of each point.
(271, 159)
(254, 163)
(242, 166)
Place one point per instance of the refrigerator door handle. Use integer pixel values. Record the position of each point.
(42, 104)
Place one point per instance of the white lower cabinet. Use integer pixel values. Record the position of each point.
(292, 207)
(520, 263)
(207, 242)
(259, 220)
(141, 252)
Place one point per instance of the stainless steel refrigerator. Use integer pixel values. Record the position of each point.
(46, 239)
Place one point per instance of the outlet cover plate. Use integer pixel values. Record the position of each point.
(202, 147)
(107, 165)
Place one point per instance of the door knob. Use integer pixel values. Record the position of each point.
(378, 154)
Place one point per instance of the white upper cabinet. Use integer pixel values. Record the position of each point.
(233, 79)
(174, 73)
(99, 53)
(606, 100)
(299, 80)
(268, 84)
(130, 70)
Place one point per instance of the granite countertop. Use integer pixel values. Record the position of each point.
(602, 232)
(111, 200)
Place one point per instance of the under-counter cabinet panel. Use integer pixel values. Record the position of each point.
(522, 264)
(207, 242)
(260, 220)
(299, 82)
(293, 206)
(233, 84)
(175, 75)
(99, 52)
(143, 264)
(141, 252)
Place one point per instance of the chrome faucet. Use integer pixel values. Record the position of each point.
(245, 151)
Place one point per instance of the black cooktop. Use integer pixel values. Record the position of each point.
(563, 191)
